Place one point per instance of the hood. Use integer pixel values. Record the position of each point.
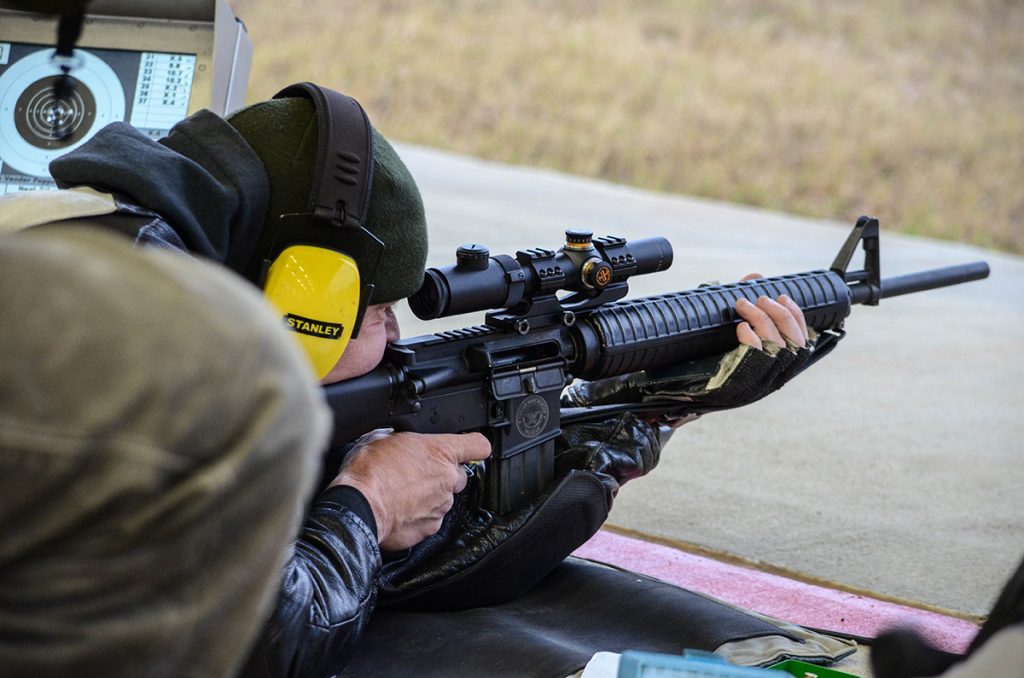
(202, 178)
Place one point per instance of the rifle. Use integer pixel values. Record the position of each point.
(505, 377)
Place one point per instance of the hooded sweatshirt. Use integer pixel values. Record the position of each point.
(205, 184)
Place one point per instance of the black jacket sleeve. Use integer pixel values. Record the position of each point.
(327, 594)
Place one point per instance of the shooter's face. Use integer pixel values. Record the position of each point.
(364, 353)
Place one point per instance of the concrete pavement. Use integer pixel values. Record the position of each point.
(894, 466)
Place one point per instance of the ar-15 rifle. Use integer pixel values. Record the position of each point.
(505, 377)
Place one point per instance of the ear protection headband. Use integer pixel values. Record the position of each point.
(307, 275)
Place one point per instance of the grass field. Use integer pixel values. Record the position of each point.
(911, 111)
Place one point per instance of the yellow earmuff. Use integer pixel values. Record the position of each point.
(306, 272)
(317, 291)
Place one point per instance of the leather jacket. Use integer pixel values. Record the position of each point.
(328, 593)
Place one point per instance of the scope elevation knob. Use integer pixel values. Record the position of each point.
(578, 239)
(472, 257)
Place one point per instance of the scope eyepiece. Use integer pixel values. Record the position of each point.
(431, 300)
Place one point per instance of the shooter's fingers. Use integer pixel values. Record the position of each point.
(746, 334)
(471, 447)
(760, 321)
(784, 321)
(797, 313)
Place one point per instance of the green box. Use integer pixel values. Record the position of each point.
(795, 667)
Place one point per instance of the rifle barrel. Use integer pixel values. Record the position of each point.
(923, 280)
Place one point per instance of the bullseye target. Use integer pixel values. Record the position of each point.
(40, 122)
(47, 117)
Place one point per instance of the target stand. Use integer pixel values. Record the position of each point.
(150, 68)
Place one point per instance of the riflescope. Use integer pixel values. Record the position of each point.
(584, 265)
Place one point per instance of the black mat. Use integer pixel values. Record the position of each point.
(579, 609)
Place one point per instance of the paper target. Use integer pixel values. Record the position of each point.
(38, 124)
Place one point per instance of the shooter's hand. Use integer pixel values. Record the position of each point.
(779, 321)
(410, 479)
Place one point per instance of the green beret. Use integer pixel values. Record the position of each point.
(283, 132)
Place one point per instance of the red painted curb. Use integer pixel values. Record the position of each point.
(786, 599)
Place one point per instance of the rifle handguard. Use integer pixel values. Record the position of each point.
(743, 376)
(670, 329)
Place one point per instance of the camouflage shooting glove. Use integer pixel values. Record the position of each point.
(683, 392)
(481, 558)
